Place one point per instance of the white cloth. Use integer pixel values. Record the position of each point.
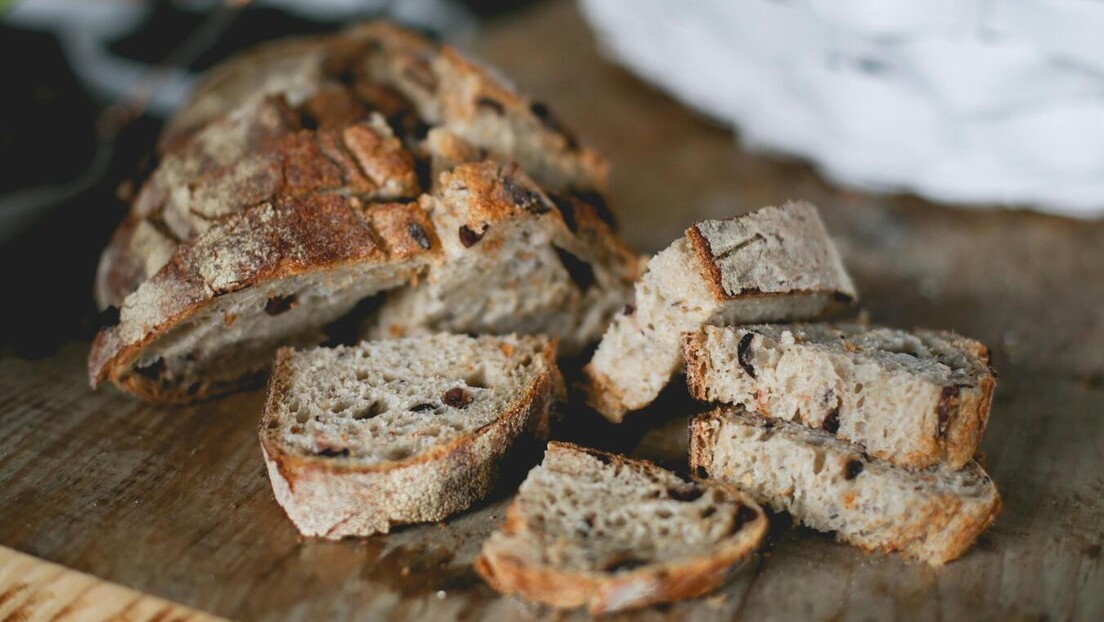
(965, 101)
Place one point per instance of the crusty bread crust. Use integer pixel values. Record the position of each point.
(774, 264)
(962, 410)
(263, 244)
(288, 122)
(334, 498)
(360, 159)
(603, 592)
(937, 529)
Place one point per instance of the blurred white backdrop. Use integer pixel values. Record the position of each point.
(965, 101)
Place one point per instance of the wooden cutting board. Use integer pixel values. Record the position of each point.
(174, 502)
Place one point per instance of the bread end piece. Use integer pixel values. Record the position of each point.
(639, 583)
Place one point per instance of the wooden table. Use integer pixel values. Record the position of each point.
(174, 502)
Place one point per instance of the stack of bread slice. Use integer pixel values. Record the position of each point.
(868, 432)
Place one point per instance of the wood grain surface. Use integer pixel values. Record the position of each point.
(32, 590)
(175, 502)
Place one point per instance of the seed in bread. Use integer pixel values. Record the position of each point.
(601, 531)
(914, 398)
(359, 439)
(775, 264)
(931, 514)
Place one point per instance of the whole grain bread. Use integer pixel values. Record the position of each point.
(775, 264)
(913, 398)
(275, 274)
(362, 438)
(419, 85)
(594, 529)
(932, 514)
(221, 172)
(344, 125)
(513, 261)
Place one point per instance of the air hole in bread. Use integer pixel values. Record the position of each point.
(398, 453)
(580, 271)
(277, 305)
(477, 380)
(857, 388)
(744, 515)
(373, 409)
(623, 562)
(689, 493)
(152, 370)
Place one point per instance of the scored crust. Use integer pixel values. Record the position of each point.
(604, 592)
(296, 120)
(263, 244)
(335, 498)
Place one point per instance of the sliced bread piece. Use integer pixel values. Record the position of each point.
(594, 529)
(275, 274)
(913, 398)
(932, 514)
(775, 264)
(513, 261)
(362, 438)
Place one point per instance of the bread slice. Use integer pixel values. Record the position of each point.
(359, 439)
(912, 398)
(594, 529)
(932, 514)
(775, 264)
(513, 261)
(275, 274)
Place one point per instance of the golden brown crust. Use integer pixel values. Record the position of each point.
(696, 363)
(328, 85)
(603, 592)
(704, 252)
(936, 532)
(962, 412)
(603, 396)
(358, 160)
(263, 243)
(837, 302)
(467, 464)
